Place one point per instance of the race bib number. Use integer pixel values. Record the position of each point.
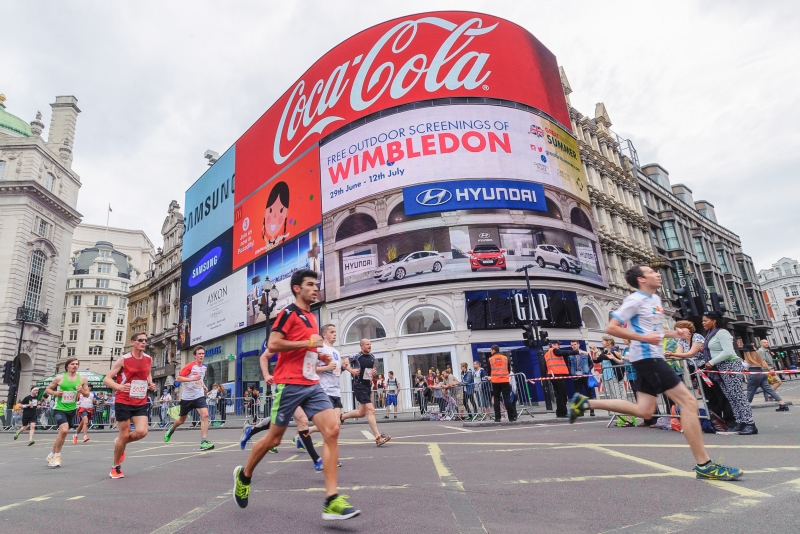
(138, 389)
(367, 374)
(68, 396)
(310, 366)
(34, 403)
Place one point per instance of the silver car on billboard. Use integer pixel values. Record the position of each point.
(411, 263)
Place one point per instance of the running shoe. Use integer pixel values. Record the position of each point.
(85, 439)
(577, 406)
(318, 465)
(121, 458)
(241, 491)
(16, 436)
(75, 439)
(168, 435)
(380, 440)
(49, 457)
(31, 442)
(339, 509)
(715, 471)
(116, 472)
(55, 461)
(273, 450)
(246, 433)
(206, 446)
(298, 442)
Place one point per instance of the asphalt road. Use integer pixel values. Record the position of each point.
(432, 477)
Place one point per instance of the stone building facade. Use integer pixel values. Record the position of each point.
(781, 289)
(154, 302)
(38, 198)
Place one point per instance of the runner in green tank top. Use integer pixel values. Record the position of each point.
(65, 388)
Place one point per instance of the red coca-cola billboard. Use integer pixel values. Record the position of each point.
(420, 57)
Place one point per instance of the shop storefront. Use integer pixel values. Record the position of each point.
(221, 362)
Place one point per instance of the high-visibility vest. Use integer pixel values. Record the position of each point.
(555, 364)
(499, 366)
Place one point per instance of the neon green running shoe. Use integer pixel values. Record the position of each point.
(577, 406)
(206, 446)
(715, 471)
(273, 450)
(168, 435)
(339, 509)
(16, 436)
(241, 491)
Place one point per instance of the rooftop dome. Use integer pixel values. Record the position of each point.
(11, 122)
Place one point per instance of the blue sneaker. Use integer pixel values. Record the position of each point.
(318, 465)
(299, 442)
(715, 471)
(246, 433)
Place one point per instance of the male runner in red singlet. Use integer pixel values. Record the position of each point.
(130, 377)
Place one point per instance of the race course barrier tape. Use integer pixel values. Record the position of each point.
(747, 372)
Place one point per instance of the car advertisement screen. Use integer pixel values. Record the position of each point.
(210, 264)
(458, 141)
(281, 210)
(209, 204)
(214, 312)
(415, 58)
(277, 268)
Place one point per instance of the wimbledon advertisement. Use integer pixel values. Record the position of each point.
(447, 142)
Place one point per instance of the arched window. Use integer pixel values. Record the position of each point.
(49, 180)
(552, 209)
(35, 279)
(364, 327)
(579, 218)
(589, 318)
(424, 320)
(398, 215)
(355, 224)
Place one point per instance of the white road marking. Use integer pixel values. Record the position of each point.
(368, 435)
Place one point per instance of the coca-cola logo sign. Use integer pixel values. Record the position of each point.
(416, 58)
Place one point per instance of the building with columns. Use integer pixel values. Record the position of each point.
(154, 301)
(781, 290)
(38, 198)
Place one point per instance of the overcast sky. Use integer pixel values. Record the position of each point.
(707, 89)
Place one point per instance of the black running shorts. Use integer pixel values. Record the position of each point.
(336, 401)
(188, 405)
(61, 418)
(124, 412)
(362, 392)
(654, 376)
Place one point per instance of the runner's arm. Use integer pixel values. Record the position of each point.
(110, 378)
(183, 375)
(615, 328)
(84, 387)
(50, 390)
(263, 362)
(278, 343)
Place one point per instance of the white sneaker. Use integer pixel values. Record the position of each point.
(56, 461)
(49, 458)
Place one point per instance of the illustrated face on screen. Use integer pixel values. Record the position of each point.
(275, 214)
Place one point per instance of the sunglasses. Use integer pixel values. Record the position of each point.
(143, 340)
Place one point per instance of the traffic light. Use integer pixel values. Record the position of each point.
(528, 335)
(686, 302)
(8, 372)
(543, 338)
(798, 307)
(718, 303)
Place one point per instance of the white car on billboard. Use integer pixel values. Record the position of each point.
(411, 263)
(558, 257)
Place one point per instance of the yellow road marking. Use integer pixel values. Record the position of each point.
(193, 515)
(33, 499)
(441, 469)
(75, 498)
(290, 458)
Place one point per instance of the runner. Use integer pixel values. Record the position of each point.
(643, 311)
(29, 404)
(294, 337)
(130, 378)
(65, 388)
(193, 397)
(85, 415)
(248, 430)
(330, 373)
(362, 367)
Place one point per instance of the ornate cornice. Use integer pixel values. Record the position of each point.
(37, 191)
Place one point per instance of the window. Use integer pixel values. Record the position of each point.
(721, 260)
(671, 241)
(589, 318)
(709, 278)
(73, 335)
(699, 250)
(63, 318)
(2, 169)
(123, 286)
(119, 335)
(656, 178)
(101, 300)
(76, 300)
(364, 327)
(49, 180)
(71, 352)
(101, 283)
(705, 213)
(95, 351)
(122, 303)
(104, 268)
(104, 254)
(118, 351)
(743, 271)
(643, 195)
(120, 319)
(97, 335)
(76, 316)
(79, 283)
(786, 290)
(98, 317)
(169, 293)
(794, 291)
(654, 237)
(35, 279)
(42, 227)
(426, 319)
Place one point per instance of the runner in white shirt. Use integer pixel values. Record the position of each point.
(641, 319)
(330, 374)
(85, 414)
(193, 397)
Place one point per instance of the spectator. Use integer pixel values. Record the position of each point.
(16, 417)
(150, 408)
(756, 364)
(430, 378)
(222, 402)
(448, 383)
(767, 355)
(112, 414)
(481, 386)
(255, 395)
(166, 401)
(580, 364)
(248, 402)
(438, 395)
(380, 388)
(468, 380)
(610, 358)
(211, 401)
(421, 391)
(392, 387)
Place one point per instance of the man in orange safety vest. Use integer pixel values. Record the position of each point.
(556, 366)
(499, 377)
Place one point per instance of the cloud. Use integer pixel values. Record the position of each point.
(706, 89)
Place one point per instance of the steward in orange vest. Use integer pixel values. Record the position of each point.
(501, 385)
(555, 364)
(499, 366)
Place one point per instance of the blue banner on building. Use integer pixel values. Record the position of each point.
(473, 194)
(210, 264)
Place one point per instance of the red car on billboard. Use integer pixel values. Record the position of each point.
(487, 256)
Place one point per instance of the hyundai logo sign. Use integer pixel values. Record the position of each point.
(434, 197)
(204, 266)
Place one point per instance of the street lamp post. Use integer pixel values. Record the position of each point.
(791, 336)
(269, 299)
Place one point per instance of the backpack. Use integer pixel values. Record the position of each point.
(675, 423)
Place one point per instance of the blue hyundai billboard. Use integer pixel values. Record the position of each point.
(473, 194)
(209, 204)
(210, 264)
